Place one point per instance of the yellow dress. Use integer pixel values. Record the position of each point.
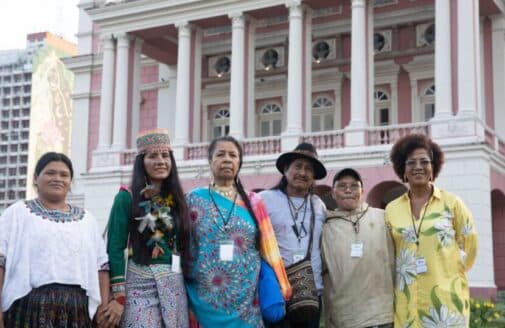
(445, 237)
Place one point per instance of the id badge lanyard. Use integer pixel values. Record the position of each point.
(421, 265)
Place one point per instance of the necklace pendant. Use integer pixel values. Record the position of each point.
(356, 227)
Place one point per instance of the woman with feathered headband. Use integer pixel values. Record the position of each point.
(150, 219)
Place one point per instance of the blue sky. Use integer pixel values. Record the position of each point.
(20, 17)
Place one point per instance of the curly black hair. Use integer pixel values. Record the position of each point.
(405, 146)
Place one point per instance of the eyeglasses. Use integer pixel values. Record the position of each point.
(345, 186)
(412, 163)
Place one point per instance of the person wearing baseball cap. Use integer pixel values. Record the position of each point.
(357, 254)
(291, 204)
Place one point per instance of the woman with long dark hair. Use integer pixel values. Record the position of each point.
(230, 231)
(150, 218)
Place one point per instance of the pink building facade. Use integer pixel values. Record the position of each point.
(350, 76)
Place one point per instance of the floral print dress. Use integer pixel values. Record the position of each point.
(433, 292)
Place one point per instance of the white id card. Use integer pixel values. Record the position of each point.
(421, 266)
(176, 263)
(357, 248)
(298, 256)
(226, 250)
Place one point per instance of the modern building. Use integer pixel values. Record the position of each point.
(350, 76)
(22, 82)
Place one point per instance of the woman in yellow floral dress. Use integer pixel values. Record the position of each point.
(435, 241)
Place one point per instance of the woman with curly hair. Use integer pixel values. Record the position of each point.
(435, 241)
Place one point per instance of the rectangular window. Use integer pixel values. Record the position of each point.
(316, 123)
(265, 129)
(328, 122)
(384, 116)
(429, 111)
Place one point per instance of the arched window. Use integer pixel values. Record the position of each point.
(428, 103)
(323, 111)
(382, 105)
(220, 123)
(270, 120)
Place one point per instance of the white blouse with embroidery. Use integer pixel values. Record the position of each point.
(43, 247)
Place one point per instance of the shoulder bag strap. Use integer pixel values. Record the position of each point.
(312, 222)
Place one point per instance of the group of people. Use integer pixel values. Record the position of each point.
(171, 259)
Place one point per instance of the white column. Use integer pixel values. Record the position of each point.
(307, 57)
(443, 85)
(237, 84)
(106, 95)
(137, 66)
(468, 58)
(498, 28)
(251, 85)
(359, 86)
(197, 85)
(182, 93)
(393, 119)
(414, 102)
(121, 93)
(294, 94)
(370, 68)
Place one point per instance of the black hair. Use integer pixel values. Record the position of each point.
(53, 157)
(407, 145)
(283, 182)
(170, 185)
(236, 180)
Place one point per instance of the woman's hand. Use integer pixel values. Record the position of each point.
(109, 315)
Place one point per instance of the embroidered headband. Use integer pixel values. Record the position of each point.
(153, 140)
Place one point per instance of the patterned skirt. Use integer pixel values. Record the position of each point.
(49, 306)
(155, 297)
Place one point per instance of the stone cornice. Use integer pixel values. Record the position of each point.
(144, 14)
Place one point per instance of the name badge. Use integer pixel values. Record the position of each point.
(176, 263)
(357, 249)
(226, 250)
(298, 256)
(421, 266)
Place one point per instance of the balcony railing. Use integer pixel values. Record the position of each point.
(326, 139)
(389, 134)
(383, 135)
(252, 146)
(262, 146)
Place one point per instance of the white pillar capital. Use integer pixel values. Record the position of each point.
(237, 19)
(293, 3)
(184, 29)
(107, 42)
(358, 4)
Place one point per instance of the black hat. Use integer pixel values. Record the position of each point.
(348, 172)
(304, 150)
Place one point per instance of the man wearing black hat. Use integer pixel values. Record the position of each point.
(291, 205)
(358, 255)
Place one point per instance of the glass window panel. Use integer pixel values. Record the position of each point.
(277, 127)
(226, 129)
(328, 122)
(384, 116)
(217, 131)
(265, 129)
(429, 111)
(316, 123)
